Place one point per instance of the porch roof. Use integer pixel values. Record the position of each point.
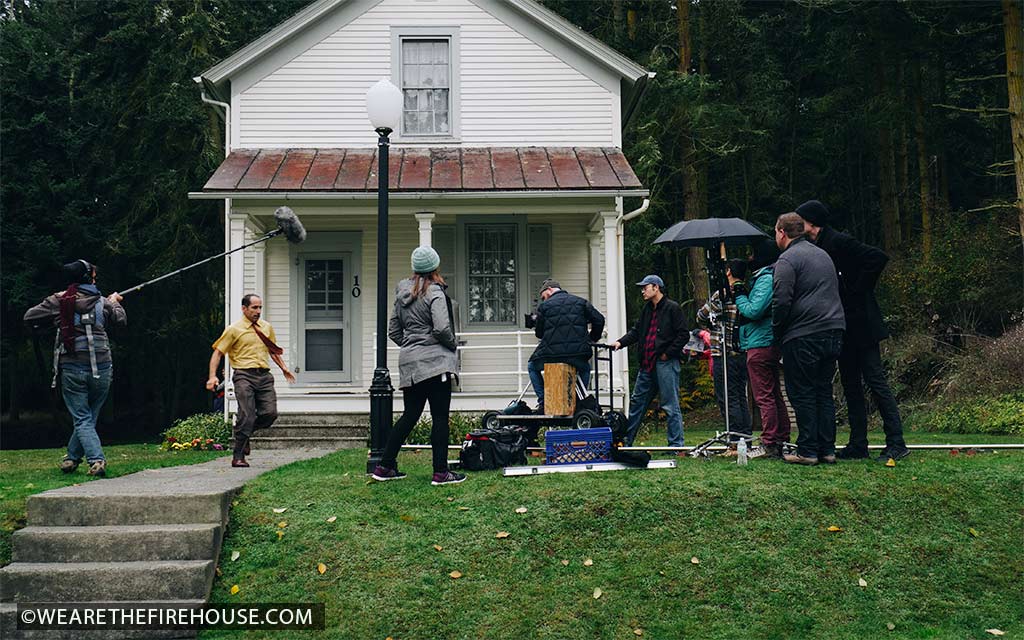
(420, 170)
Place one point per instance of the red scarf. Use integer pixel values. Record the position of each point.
(67, 317)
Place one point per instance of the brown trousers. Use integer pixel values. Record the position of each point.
(257, 404)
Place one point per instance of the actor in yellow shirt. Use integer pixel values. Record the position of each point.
(250, 344)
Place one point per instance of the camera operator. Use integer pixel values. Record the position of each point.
(561, 322)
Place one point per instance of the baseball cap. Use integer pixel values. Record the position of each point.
(652, 279)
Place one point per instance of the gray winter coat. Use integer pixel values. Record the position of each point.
(423, 328)
(805, 293)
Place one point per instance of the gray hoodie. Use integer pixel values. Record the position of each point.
(423, 328)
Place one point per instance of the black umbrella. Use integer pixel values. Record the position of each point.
(710, 232)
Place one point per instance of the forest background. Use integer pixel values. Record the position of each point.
(905, 118)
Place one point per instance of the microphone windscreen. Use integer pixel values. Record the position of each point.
(290, 225)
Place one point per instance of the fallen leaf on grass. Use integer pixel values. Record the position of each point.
(890, 463)
(913, 477)
(463, 508)
(565, 563)
(321, 568)
(588, 563)
(455, 575)
(597, 593)
(280, 510)
(890, 626)
(502, 534)
(834, 529)
(30, 486)
(235, 555)
(451, 498)
(995, 632)
(694, 560)
(280, 534)
(234, 589)
(332, 518)
(438, 547)
(974, 532)
(638, 632)
(521, 510)
(218, 572)
(405, 518)
(282, 524)
(862, 582)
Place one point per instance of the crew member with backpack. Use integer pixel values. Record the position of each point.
(81, 357)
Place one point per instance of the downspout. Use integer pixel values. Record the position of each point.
(227, 235)
(619, 235)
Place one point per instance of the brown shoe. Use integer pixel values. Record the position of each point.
(239, 462)
(792, 458)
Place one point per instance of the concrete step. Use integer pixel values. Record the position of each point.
(313, 432)
(106, 581)
(95, 509)
(9, 628)
(264, 443)
(323, 420)
(116, 543)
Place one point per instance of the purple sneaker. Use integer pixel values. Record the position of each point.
(448, 477)
(383, 474)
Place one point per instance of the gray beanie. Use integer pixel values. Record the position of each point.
(425, 260)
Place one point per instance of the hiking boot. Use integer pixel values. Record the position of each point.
(383, 474)
(772, 451)
(447, 477)
(852, 453)
(98, 468)
(828, 459)
(239, 462)
(792, 458)
(896, 453)
(67, 465)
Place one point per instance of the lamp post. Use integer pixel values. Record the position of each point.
(384, 107)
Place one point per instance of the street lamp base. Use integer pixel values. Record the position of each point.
(382, 405)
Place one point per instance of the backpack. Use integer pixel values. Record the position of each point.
(494, 448)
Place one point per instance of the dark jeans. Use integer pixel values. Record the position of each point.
(810, 363)
(739, 411)
(864, 362)
(257, 405)
(763, 367)
(536, 370)
(438, 393)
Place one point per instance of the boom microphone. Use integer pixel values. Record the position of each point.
(288, 225)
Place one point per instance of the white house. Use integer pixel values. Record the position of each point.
(508, 162)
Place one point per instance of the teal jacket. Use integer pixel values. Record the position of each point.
(756, 308)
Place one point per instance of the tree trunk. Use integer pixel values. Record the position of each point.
(887, 173)
(923, 165)
(1015, 90)
(618, 19)
(693, 165)
(903, 162)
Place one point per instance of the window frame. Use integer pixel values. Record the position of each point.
(451, 34)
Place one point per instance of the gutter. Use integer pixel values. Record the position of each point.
(226, 115)
(416, 195)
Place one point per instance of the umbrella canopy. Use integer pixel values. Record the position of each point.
(710, 232)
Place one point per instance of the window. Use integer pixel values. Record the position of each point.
(491, 273)
(426, 86)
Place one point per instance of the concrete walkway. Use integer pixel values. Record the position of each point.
(151, 536)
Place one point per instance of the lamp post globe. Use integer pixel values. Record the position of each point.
(384, 108)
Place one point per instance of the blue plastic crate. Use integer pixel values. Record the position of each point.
(573, 446)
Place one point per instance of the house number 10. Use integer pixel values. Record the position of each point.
(356, 291)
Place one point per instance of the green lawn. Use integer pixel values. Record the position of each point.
(30, 471)
(768, 565)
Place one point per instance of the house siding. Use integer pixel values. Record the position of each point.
(512, 91)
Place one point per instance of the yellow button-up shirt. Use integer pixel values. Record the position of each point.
(245, 349)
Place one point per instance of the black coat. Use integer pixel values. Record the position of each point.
(859, 266)
(562, 326)
(672, 330)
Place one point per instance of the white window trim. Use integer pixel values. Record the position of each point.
(452, 35)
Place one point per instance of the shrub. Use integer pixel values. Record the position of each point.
(204, 431)
(992, 367)
(459, 424)
(998, 415)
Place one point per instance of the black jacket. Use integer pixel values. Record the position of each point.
(562, 322)
(858, 266)
(672, 330)
(805, 293)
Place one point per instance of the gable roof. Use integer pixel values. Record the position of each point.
(558, 26)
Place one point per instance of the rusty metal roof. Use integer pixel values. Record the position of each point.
(419, 169)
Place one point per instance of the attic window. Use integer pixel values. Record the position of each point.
(426, 85)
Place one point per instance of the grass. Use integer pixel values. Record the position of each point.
(768, 566)
(31, 471)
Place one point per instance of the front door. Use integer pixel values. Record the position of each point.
(325, 316)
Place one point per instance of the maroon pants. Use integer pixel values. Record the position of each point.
(763, 368)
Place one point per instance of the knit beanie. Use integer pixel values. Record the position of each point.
(814, 212)
(425, 260)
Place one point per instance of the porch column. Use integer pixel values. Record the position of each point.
(236, 225)
(595, 266)
(425, 218)
(259, 252)
(613, 290)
